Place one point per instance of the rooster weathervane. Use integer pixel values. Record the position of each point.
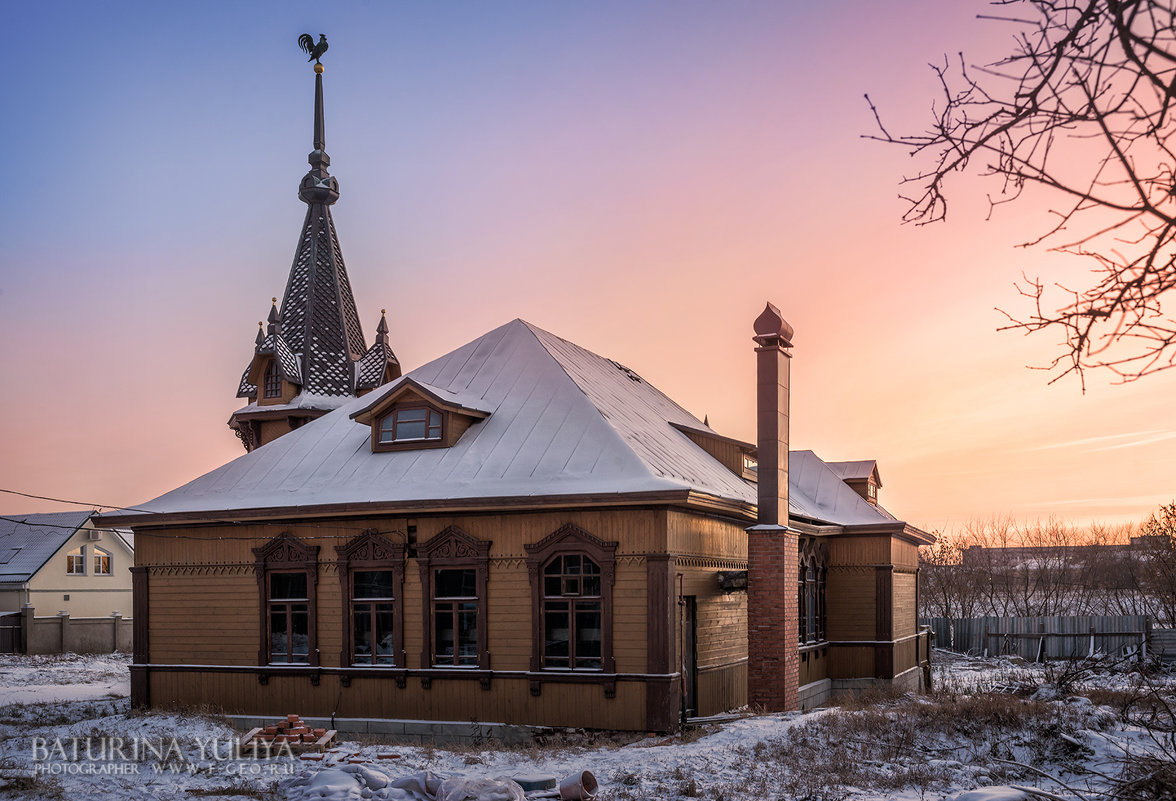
(308, 45)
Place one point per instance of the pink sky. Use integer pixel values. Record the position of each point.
(638, 179)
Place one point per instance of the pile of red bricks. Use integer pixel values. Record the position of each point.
(292, 730)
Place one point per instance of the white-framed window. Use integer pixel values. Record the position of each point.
(102, 562)
(411, 424)
(75, 561)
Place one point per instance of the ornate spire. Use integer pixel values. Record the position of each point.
(260, 335)
(319, 320)
(318, 185)
(315, 341)
(382, 328)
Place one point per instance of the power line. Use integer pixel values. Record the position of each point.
(162, 535)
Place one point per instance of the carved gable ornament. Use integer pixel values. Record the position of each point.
(570, 538)
(286, 550)
(370, 546)
(453, 543)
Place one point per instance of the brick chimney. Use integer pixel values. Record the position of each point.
(773, 658)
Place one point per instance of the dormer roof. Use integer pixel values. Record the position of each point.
(861, 470)
(407, 387)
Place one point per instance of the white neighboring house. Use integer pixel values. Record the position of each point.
(58, 562)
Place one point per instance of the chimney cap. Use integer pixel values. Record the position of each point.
(771, 325)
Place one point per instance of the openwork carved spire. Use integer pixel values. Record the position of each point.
(315, 333)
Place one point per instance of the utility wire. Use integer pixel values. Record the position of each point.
(162, 535)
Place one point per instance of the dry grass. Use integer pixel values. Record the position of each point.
(239, 788)
(889, 743)
(18, 782)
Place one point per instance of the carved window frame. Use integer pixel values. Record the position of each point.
(453, 548)
(371, 551)
(812, 605)
(569, 540)
(286, 553)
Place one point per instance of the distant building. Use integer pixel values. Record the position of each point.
(60, 562)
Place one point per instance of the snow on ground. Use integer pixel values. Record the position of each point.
(62, 677)
(994, 730)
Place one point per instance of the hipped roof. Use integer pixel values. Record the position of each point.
(563, 422)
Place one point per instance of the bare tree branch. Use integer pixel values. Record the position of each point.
(1081, 106)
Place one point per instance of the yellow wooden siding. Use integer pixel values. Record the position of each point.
(904, 604)
(508, 700)
(851, 662)
(850, 594)
(717, 687)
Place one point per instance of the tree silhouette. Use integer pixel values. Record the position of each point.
(1083, 108)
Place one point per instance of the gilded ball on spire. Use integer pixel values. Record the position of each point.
(318, 68)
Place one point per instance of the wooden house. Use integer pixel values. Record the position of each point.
(519, 531)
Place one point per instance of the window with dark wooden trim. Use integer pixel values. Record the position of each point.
(411, 424)
(810, 591)
(571, 574)
(801, 606)
(572, 613)
(373, 618)
(75, 561)
(272, 383)
(287, 575)
(288, 605)
(454, 568)
(371, 577)
(455, 617)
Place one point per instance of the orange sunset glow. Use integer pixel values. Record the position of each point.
(636, 178)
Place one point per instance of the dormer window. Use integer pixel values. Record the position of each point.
(413, 415)
(411, 424)
(273, 381)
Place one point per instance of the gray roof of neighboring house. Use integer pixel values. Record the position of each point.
(563, 421)
(27, 542)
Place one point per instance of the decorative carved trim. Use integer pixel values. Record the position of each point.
(370, 550)
(508, 561)
(453, 548)
(712, 563)
(286, 551)
(238, 569)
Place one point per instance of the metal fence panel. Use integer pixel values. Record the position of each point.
(1048, 637)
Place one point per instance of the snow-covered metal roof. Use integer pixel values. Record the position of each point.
(562, 421)
(28, 541)
(817, 491)
(856, 470)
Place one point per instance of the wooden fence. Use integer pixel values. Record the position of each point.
(1038, 638)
